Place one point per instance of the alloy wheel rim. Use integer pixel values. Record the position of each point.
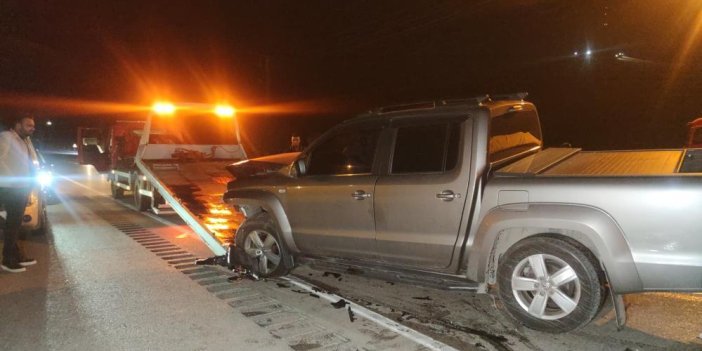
(264, 248)
(546, 287)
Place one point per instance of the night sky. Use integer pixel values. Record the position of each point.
(323, 61)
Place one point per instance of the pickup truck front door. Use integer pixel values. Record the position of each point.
(330, 206)
(420, 203)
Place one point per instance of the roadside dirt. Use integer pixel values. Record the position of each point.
(470, 321)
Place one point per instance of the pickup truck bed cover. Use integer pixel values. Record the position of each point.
(574, 162)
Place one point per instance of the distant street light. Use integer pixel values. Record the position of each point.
(48, 123)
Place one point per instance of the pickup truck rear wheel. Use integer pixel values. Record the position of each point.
(259, 238)
(550, 284)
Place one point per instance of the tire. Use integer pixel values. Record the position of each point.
(536, 298)
(141, 202)
(261, 242)
(117, 192)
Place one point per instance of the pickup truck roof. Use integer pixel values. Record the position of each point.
(442, 107)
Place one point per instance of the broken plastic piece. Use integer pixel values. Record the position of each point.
(212, 261)
(352, 316)
(239, 273)
(339, 304)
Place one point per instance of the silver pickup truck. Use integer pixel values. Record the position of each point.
(460, 195)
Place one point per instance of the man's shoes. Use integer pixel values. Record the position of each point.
(24, 262)
(13, 267)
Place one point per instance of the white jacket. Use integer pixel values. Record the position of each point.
(18, 161)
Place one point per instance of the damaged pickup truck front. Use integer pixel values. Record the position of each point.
(460, 194)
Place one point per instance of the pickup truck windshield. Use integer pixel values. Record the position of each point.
(513, 133)
(193, 129)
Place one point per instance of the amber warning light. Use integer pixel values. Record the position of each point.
(163, 108)
(224, 111)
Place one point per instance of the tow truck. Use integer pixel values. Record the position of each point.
(177, 156)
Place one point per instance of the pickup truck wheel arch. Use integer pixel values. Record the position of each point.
(590, 227)
(252, 202)
(550, 284)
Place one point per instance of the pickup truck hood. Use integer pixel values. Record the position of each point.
(261, 165)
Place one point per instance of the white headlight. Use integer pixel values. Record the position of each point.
(45, 178)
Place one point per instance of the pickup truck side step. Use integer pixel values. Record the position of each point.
(428, 279)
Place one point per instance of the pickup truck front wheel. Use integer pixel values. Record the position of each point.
(550, 284)
(260, 240)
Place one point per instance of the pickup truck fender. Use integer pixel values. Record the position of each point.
(500, 228)
(253, 201)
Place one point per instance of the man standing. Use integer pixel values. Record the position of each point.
(295, 143)
(18, 162)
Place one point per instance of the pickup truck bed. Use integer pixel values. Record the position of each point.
(574, 162)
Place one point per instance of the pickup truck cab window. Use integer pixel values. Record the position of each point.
(425, 148)
(350, 151)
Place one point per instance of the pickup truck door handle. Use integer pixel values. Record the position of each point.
(360, 195)
(448, 195)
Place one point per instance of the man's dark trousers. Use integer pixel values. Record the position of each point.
(15, 201)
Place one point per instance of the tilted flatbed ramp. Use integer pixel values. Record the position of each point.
(194, 190)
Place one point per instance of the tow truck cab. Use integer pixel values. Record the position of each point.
(173, 159)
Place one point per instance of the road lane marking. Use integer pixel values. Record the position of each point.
(379, 319)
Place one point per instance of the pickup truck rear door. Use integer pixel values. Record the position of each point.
(420, 201)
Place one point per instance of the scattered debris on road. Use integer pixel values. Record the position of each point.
(339, 304)
(240, 273)
(352, 316)
(428, 298)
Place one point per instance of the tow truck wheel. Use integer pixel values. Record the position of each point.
(141, 202)
(549, 284)
(260, 240)
(116, 191)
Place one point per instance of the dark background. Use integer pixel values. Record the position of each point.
(302, 66)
